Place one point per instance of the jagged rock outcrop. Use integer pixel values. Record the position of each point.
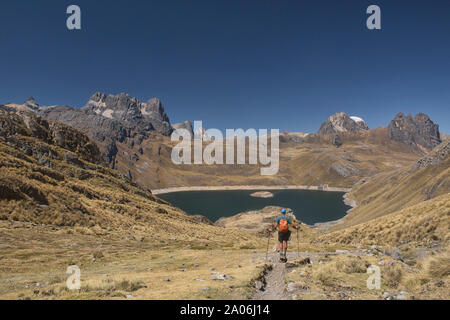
(336, 140)
(341, 122)
(130, 111)
(15, 125)
(344, 169)
(296, 137)
(112, 119)
(437, 156)
(31, 103)
(419, 131)
(184, 125)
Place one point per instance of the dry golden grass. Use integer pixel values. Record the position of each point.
(421, 225)
(391, 191)
(125, 267)
(344, 277)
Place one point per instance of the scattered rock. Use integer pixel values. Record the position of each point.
(386, 262)
(402, 295)
(388, 296)
(439, 283)
(291, 287)
(259, 285)
(298, 263)
(205, 288)
(395, 253)
(221, 277)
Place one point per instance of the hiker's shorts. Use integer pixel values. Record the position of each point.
(284, 236)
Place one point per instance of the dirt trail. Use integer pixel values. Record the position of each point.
(275, 282)
(274, 289)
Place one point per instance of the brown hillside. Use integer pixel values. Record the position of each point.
(314, 161)
(54, 175)
(388, 192)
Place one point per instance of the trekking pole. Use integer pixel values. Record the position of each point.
(267, 249)
(298, 246)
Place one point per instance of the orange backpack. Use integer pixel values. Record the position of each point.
(283, 225)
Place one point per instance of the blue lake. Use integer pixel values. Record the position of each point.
(309, 206)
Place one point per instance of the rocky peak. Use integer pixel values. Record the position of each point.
(341, 122)
(185, 125)
(419, 131)
(130, 110)
(31, 103)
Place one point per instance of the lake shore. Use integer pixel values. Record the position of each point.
(327, 225)
(248, 187)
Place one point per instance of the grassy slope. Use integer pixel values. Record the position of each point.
(56, 213)
(422, 224)
(388, 192)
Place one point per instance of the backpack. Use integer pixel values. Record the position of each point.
(283, 225)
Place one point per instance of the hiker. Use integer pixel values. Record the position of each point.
(282, 223)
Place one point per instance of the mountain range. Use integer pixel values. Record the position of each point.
(75, 188)
(133, 137)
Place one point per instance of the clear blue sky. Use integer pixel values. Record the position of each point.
(250, 64)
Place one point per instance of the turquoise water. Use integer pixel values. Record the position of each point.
(309, 206)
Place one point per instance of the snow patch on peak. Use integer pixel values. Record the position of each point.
(357, 119)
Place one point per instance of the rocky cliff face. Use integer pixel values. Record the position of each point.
(341, 122)
(437, 156)
(149, 115)
(111, 119)
(16, 126)
(31, 103)
(419, 131)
